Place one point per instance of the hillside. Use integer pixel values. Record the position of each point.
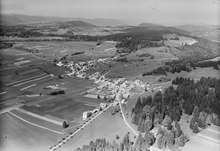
(204, 31)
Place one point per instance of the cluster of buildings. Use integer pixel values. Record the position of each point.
(79, 69)
(115, 89)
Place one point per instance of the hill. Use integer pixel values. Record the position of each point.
(204, 31)
(148, 25)
(70, 24)
(16, 19)
(104, 22)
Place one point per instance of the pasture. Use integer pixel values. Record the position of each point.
(52, 50)
(63, 107)
(16, 134)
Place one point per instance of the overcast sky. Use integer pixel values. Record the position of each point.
(168, 12)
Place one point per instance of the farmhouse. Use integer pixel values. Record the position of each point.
(103, 105)
(86, 114)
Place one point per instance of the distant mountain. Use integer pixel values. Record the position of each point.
(69, 24)
(104, 22)
(15, 19)
(148, 25)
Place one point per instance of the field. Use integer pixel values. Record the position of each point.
(90, 50)
(207, 139)
(65, 108)
(102, 127)
(17, 135)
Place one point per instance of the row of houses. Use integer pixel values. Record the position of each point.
(87, 114)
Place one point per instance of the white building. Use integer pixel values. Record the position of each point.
(85, 115)
(115, 103)
(103, 105)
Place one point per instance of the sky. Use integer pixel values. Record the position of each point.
(167, 12)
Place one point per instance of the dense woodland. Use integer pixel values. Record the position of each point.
(199, 99)
(142, 143)
(204, 95)
(180, 65)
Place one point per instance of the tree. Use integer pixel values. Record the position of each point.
(170, 141)
(133, 118)
(160, 130)
(138, 143)
(167, 122)
(202, 119)
(196, 113)
(141, 126)
(209, 120)
(177, 131)
(192, 123)
(181, 140)
(138, 105)
(148, 125)
(65, 124)
(158, 97)
(195, 128)
(161, 143)
(126, 141)
(149, 138)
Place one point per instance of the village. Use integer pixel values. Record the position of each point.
(115, 91)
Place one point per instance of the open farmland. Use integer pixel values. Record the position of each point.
(14, 136)
(64, 108)
(105, 125)
(89, 50)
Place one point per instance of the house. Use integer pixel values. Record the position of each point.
(59, 64)
(123, 101)
(115, 103)
(85, 115)
(103, 105)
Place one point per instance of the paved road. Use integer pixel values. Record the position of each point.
(78, 130)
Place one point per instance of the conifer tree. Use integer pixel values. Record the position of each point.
(195, 128)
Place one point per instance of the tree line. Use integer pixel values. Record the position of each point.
(177, 66)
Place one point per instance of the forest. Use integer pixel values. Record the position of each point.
(177, 66)
(198, 99)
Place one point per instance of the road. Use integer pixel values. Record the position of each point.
(123, 116)
(78, 130)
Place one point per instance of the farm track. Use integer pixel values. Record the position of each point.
(124, 118)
